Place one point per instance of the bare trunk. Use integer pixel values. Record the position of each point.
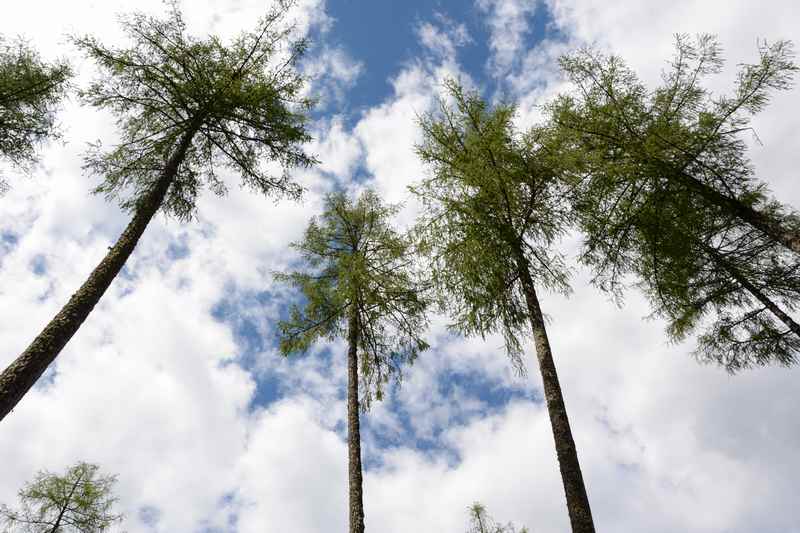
(17, 379)
(769, 227)
(580, 514)
(353, 429)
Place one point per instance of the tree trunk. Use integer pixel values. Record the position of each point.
(769, 227)
(353, 428)
(20, 375)
(580, 514)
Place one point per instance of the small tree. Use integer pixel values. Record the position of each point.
(81, 501)
(30, 91)
(186, 108)
(358, 283)
(481, 522)
(493, 209)
(664, 191)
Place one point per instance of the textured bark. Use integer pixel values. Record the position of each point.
(769, 227)
(580, 514)
(354, 428)
(17, 379)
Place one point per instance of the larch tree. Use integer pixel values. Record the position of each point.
(664, 192)
(358, 282)
(30, 92)
(80, 501)
(186, 109)
(481, 522)
(492, 211)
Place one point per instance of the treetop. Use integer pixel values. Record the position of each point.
(240, 103)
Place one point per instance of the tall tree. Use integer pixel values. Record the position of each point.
(30, 91)
(358, 283)
(80, 501)
(481, 522)
(493, 209)
(186, 108)
(664, 191)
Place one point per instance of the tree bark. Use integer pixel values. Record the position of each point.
(580, 514)
(354, 428)
(771, 228)
(17, 379)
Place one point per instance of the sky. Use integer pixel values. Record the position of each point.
(174, 382)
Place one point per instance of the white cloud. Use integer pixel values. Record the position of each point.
(443, 38)
(332, 73)
(508, 21)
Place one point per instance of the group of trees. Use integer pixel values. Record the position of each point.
(657, 181)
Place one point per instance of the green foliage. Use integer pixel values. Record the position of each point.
(649, 170)
(30, 91)
(481, 522)
(705, 271)
(79, 501)
(241, 101)
(492, 207)
(356, 265)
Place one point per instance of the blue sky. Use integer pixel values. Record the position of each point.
(383, 36)
(174, 382)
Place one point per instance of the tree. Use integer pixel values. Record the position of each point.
(680, 133)
(636, 159)
(79, 501)
(493, 208)
(185, 108)
(30, 91)
(481, 522)
(358, 283)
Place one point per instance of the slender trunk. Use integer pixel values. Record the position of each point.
(580, 514)
(353, 428)
(19, 376)
(769, 227)
(765, 300)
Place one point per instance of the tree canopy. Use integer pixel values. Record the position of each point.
(80, 501)
(680, 135)
(359, 271)
(490, 201)
(30, 92)
(481, 522)
(241, 103)
(664, 190)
